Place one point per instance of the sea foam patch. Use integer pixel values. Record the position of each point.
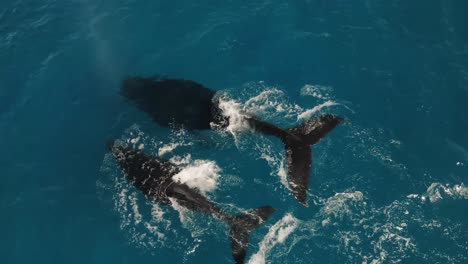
(310, 112)
(317, 91)
(438, 191)
(202, 175)
(233, 111)
(277, 234)
(168, 148)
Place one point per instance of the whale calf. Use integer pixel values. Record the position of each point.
(153, 177)
(190, 104)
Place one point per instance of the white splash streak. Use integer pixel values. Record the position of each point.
(277, 234)
(266, 101)
(308, 113)
(167, 148)
(283, 174)
(275, 161)
(201, 174)
(184, 218)
(136, 212)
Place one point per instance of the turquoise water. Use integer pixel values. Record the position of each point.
(387, 186)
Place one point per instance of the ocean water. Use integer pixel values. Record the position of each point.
(388, 186)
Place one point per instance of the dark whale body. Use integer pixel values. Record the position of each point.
(153, 177)
(173, 102)
(190, 104)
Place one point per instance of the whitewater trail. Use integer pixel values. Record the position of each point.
(277, 234)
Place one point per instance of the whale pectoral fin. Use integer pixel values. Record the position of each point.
(241, 228)
(299, 161)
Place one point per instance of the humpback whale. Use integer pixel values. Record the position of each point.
(153, 177)
(190, 104)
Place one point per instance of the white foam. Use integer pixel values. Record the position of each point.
(269, 159)
(308, 113)
(267, 100)
(136, 212)
(391, 238)
(156, 212)
(157, 217)
(233, 111)
(341, 205)
(167, 148)
(275, 161)
(360, 223)
(202, 175)
(178, 160)
(134, 140)
(269, 103)
(183, 212)
(283, 174)
(154, 230)
(438, 191)
(263, 96)
(317, 91)
(277, 234)
(186, 217)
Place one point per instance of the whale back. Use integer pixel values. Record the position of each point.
(147, 173)
(172, 101)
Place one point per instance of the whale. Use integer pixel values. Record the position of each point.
(193, 106)
(154, 178)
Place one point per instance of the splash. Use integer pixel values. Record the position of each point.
(178, 139)
(275, 160)
(202, 175)
(190, 222)
(341, 205)
(168, 148)
(358, 226)
(317, 91)
(270, 104)
(437, 192)
(267, 101)
(179, 160)
(233, 111)
(183, 212)
(277, 234)
(309, 113)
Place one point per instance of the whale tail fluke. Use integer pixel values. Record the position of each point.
(299, 153)
(316, 128)
(241, 228)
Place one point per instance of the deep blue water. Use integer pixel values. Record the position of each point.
(387, 186)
